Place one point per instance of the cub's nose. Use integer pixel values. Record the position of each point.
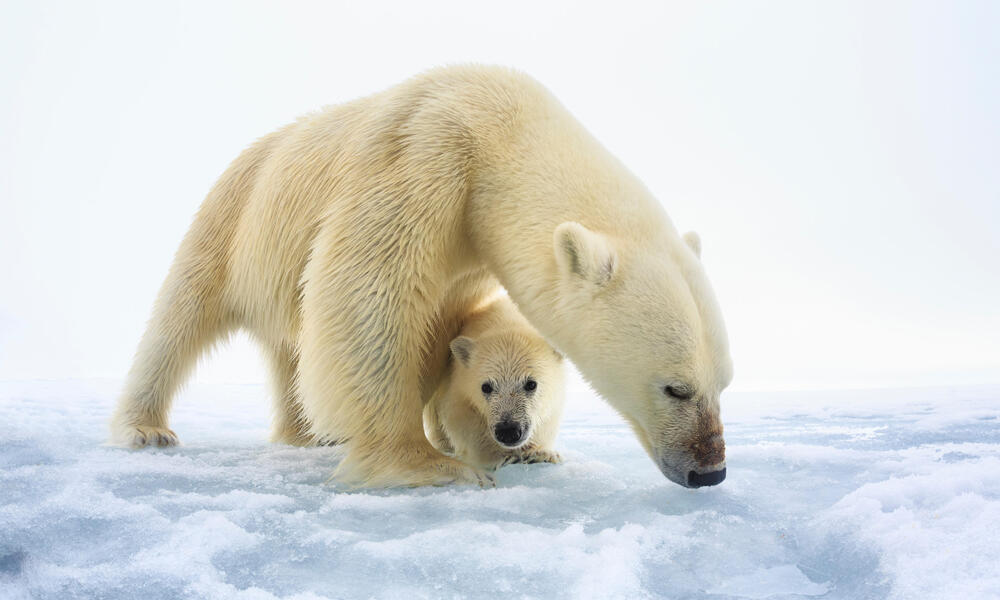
(508, 433)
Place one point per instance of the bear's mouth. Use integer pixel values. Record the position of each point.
(681, 468)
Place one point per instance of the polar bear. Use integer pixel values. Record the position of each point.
(350, 242)
(502, 396)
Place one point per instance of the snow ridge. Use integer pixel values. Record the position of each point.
(877, 494)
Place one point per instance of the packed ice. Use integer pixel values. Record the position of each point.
(837, 494)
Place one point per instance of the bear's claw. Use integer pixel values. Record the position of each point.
(140, 436)
(482, 479)
(468, 475)
(531, 457)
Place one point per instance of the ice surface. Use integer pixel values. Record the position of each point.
(854, 495)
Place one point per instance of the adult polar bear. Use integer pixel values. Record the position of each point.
(351, 242)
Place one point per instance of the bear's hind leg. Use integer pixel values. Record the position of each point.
(186, 320)
(290, 425)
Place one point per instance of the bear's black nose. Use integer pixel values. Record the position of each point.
(508, 433)
(696, 480)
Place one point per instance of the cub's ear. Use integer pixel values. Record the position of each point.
(694, 242)
(583, 253)
(462, 347)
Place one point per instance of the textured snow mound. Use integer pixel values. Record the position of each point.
(877, 494)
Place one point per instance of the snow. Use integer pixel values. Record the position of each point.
(849, 494)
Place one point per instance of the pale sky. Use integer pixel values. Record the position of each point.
(839, 160)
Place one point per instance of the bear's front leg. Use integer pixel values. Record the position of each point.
(385, 441)
(361, 351)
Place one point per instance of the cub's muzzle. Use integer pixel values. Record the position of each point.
(509, 433)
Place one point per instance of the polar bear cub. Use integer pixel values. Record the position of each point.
(502, 397)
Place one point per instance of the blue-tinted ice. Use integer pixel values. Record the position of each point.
(875, 494)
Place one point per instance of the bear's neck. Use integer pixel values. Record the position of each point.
(545, 171)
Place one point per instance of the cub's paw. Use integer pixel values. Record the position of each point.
(538, 455)
(140, 436)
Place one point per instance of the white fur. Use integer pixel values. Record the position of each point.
(350, 242)
(499, 347)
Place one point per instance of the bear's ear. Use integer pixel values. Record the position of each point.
(462, 347)
(694, 242)
(583, 253)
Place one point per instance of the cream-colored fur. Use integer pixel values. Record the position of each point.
(497, 347)
(350, 242)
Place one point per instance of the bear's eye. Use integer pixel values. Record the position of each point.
(487, 388)
(680, 392)
(530, 385)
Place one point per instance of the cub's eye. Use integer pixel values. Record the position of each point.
(679, 392)
(530, 385)
(487, 388)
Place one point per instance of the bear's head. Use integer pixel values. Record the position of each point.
(509, 377)
(641, 322)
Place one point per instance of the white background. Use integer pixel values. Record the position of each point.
(840, 161)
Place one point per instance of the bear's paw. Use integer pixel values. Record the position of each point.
(533, 456)
(140, 436)
(449, 471)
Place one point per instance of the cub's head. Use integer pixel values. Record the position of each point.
(511, 377)
(643, 326)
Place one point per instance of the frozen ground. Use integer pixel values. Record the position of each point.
(854, 495)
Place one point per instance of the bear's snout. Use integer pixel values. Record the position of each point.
(710, 451)
(509, 433)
